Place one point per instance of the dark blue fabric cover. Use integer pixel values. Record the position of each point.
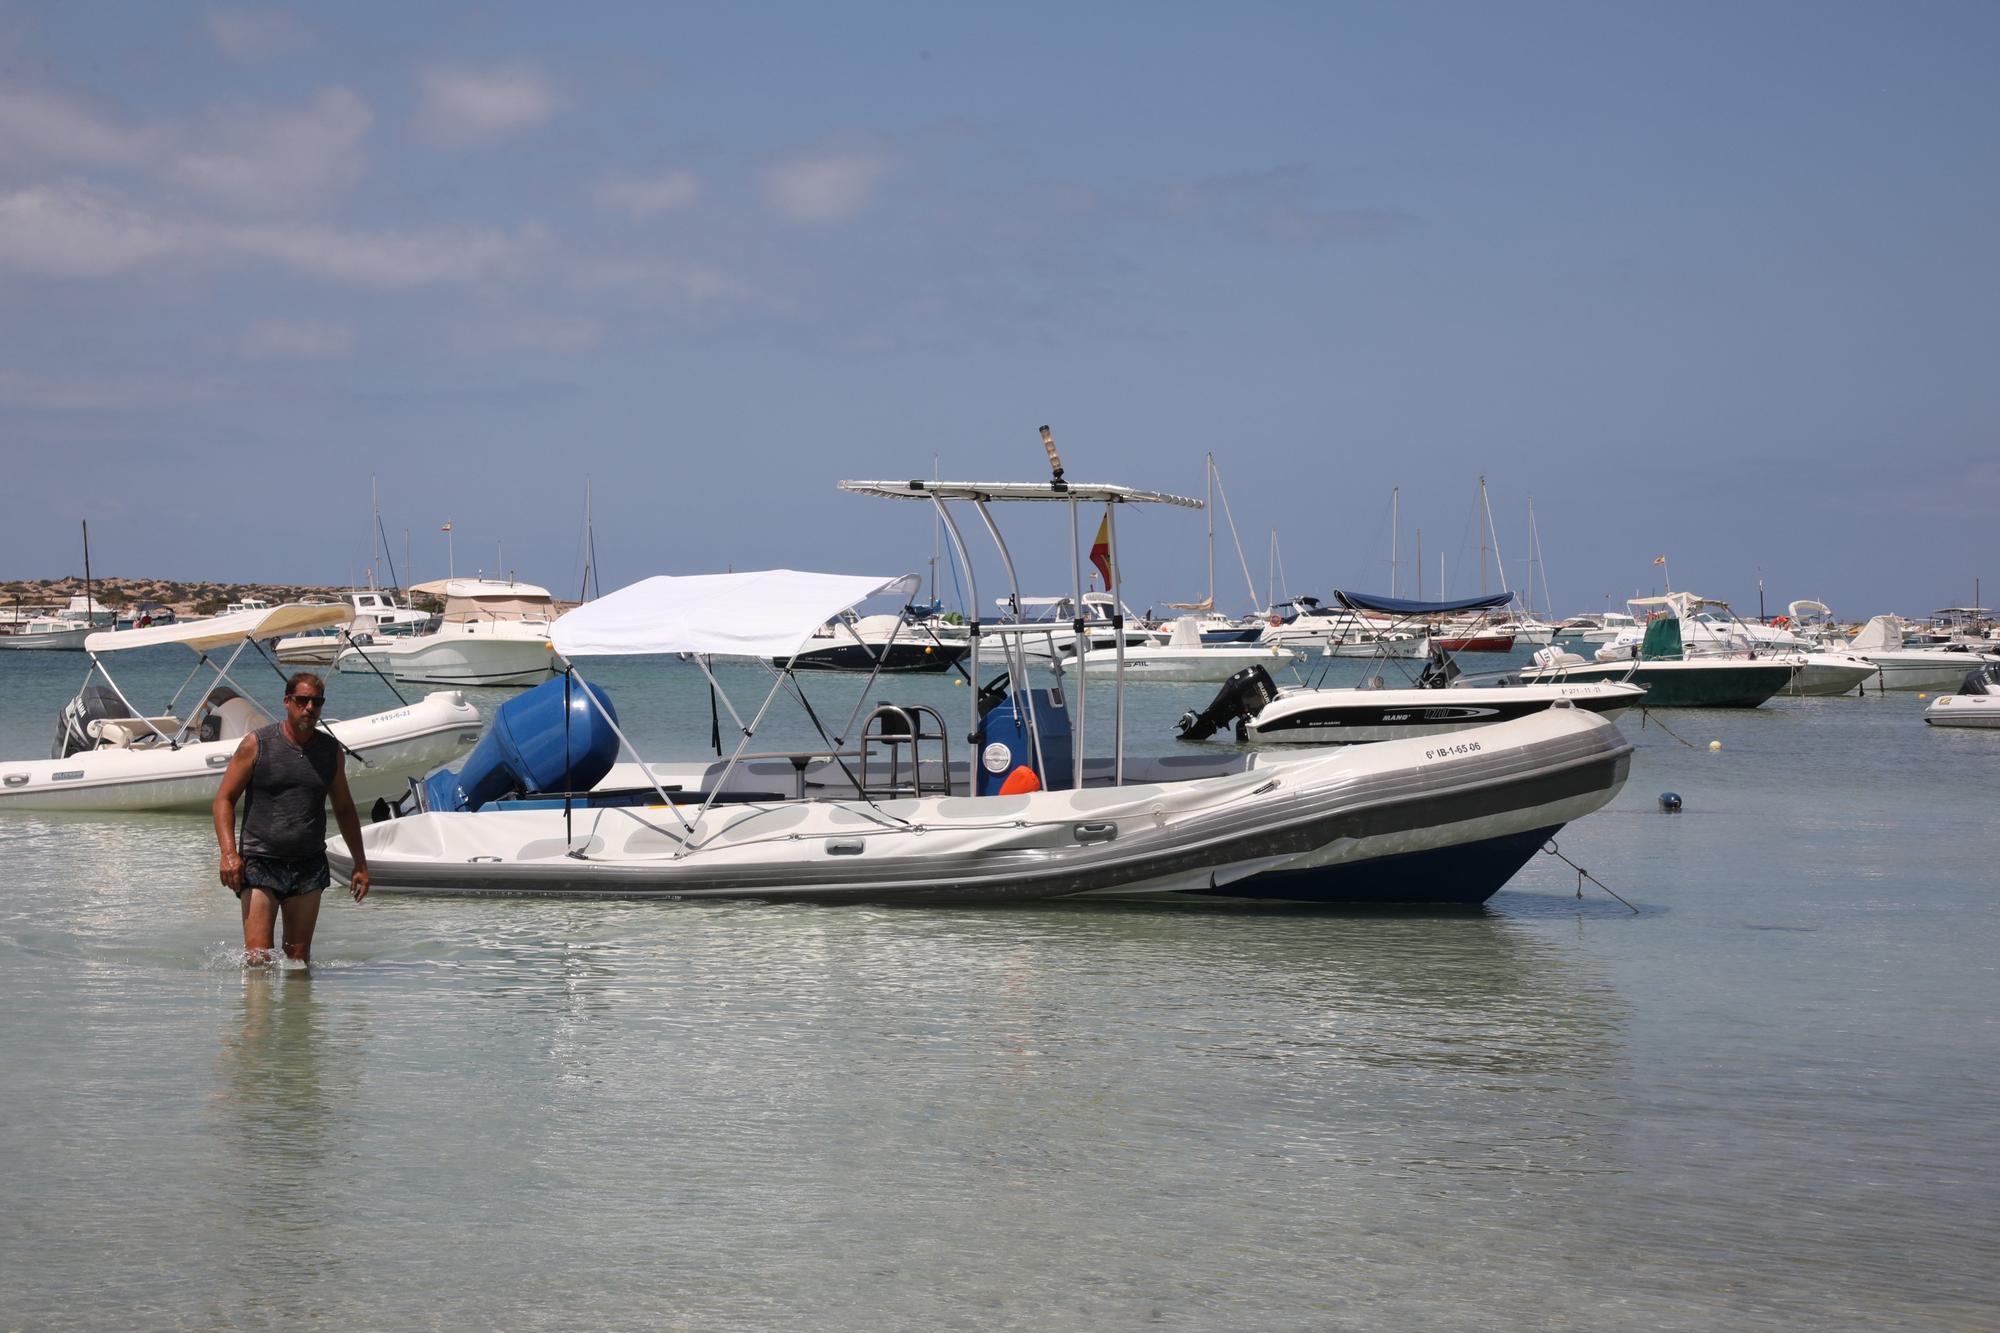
(1403, 606)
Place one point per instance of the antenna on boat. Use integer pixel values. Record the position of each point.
(1056, 482)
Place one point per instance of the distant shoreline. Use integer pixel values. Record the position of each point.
(185, 597)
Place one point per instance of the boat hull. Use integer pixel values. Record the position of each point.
(901, 658)
(1923, 671)
(468, 661)
(46, 641)
(1165, 663)
(1964, 710)
(396, 746)
(1360, 717)
(1699, 683)
(1337, 827)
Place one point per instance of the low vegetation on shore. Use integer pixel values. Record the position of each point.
(184, 596)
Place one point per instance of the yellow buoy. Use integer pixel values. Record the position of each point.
(1715, 745)
(1923, 696)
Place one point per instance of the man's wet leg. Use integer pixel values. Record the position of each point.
(260, 919)
(301, 915)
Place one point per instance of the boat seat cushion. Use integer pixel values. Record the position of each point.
(232, 719)
(123, 731)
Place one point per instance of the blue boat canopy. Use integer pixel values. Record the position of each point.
(1403, 606)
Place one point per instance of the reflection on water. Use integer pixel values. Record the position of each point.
(744, 1115)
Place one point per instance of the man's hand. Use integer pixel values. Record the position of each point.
(357, 883)
(232, 871)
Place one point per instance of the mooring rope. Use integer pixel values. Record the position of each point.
(1581, 874)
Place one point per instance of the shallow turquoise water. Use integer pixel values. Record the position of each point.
(1765, 1100)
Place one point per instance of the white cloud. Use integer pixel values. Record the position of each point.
(697, 283)
(829, 188)
(285, 340)
(47, 125)
(649, 196)
(462, 106)
(261, 160)
(34, 392)
(390, 259)
(73, 231)
(257, 34)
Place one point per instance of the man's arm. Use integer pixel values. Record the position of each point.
(235, 781)
(350, 832)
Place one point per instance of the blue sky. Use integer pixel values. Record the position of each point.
(1711, 281)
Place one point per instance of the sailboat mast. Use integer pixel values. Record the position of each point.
(89, 597)
(1395, 516)
(1499, 561)
(1210, 509)
(1420, 564)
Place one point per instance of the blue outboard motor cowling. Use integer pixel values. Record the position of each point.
(528, 749)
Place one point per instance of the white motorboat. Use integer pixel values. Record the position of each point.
(1598, 627)
(1977, 703)
(492, 633)
(376, 613)
(889, 815)
(1436, 700)
(1674, 677)
(109, 756)
(1906, 668)
(58, 632)
(1049, 622)
(1184, 657)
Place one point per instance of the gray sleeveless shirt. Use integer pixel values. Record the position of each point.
(284, 810)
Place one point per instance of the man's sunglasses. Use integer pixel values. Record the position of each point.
(308, 700)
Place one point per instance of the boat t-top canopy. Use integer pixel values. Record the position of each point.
(224, 631)
(1403, 606)
(1680, 603)
(1083, 492)
(766, 613)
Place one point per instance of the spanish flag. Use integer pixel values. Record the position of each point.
(1659, 560)
(1100, 550)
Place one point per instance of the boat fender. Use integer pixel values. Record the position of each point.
(1021, 782)
(1670, 801)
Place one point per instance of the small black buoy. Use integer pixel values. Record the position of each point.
(1670, 801)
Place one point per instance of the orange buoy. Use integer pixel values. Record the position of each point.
(1020, 782)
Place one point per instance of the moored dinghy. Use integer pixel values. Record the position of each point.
(109, 756)
(889, 815)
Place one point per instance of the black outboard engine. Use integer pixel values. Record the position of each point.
(93, 703)
(1241, 698)
(1982, 680)
(1439, 670)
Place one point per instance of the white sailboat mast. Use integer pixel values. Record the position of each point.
(1395, 516)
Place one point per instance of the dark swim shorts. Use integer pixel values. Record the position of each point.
(286, 879)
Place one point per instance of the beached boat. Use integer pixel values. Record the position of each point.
(109, 756)
(1438, 698)
(492, 633)
(888, 814)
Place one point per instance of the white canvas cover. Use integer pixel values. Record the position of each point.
(223, 631)
(759, 613)
(1880, 634)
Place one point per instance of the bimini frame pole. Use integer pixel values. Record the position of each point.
(972, 640)
(1118, 639)
(1017, 656)
(1082, 647)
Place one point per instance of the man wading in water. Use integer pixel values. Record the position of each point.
(289, 770)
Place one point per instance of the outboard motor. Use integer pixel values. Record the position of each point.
(526, 750)
(93, 703)
(1241, 698)
(1982, 680)
(1439, 670)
